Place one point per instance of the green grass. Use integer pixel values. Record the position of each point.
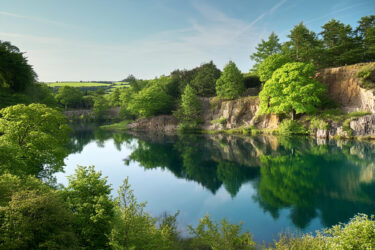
(77, 84)
(116, 126)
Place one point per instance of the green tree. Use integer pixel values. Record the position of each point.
(114, 98)
(303, 45)
(270, 64)
(69, 96)
(265, 49)
(339, 43)
(366, 33)
(291, 90)
(150, 101)
(190, 110)
(134, 228)
(205, 79)
(33, 139)
(100, 107)
(88, 197)
(230, 85)
(209, 234)
(33, 216)
(15, 72)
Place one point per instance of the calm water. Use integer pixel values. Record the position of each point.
(270, 184)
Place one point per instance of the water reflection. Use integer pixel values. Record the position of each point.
(330, 181)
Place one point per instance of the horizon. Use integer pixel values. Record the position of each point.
(97, 41)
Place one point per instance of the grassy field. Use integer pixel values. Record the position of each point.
(108, 86)
(77, 84)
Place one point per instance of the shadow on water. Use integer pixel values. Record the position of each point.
(331, 181)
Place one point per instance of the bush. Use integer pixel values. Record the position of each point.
(251, 81)
(367, 76)
(291, 127)
(221, 120)
(318, 124)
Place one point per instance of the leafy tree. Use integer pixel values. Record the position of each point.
(291, 90)
(303, 46)
(190, 110)
(270, 64)
(69, 96)
(230, 84)
(265, 49)
(339, 44)
(100, 107)
(366, 32)
(183, 78)
(88, 197)
(33, 216)
(15, 72)
(205, 79)
(224, 236)
(134, 228)
(33, 139)
(150, 101)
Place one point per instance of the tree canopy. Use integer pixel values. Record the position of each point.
(230, 84)
(291, 89)
(265, 49)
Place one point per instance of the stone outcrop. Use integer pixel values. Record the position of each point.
(363, 126)
(220, 114)
(162, 123)
(344, 87)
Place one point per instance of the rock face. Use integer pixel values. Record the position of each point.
(162, 123)
(344, 88)
(363, 126)
(219, 114)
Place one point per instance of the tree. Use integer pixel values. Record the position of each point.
(33, 216)
(190, 110)
(265, 49)
(270, 64)
(303, 46)
(230, 84)
(224, 236)
(366, 33)
(150, 101)
(33, 139)
(88, 197)
(205, 79)
(339, 44)
(100, 107)
(135, 228)
(69, 96)
(15, 72)
(291, 90)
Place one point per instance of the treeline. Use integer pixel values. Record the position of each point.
(337, 44)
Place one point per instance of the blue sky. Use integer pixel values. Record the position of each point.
(108, 40)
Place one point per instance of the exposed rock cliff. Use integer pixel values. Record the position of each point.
(344, 88)
(164, 123)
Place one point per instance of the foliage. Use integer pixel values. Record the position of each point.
(150, 101)
(366, 32)
(114, 98)
(69, 96)
(291, 89)
(265, 49)
(88, 197)
(15, 72)
(33, 216)
(270, 65)
(367, 75)
(189, 113)
(303, 45)
(224, 236)
(230, 85)
(134, 228)
(221, 120)
(291, 127)
(318, 124)
(205, 79)
(359, 233)
(100, 107)
(33, 139)
(251, 81)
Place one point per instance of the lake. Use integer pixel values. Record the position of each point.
(271, 184)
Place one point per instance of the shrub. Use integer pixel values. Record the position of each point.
(221, 120)
(367, 76)
(291, 127)
(251, 81)
(318, 124)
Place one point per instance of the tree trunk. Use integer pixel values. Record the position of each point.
(293, 114)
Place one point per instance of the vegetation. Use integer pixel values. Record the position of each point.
(230, 85)
(190, 110)
(291, 90)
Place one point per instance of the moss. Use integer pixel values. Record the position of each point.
(221, 120)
